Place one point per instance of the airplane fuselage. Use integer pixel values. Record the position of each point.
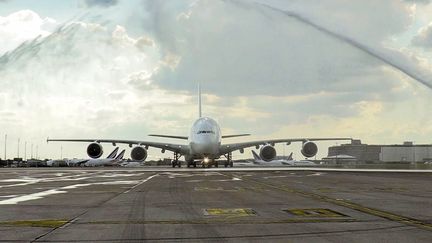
(205, 139)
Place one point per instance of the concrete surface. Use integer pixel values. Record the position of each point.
(189, 205)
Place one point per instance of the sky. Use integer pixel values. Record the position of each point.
(273, 68)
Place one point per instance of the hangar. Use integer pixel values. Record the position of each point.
(408, 152)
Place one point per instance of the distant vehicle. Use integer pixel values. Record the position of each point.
(131, 164)
(57, 163)
(204, 144)
(280, 162)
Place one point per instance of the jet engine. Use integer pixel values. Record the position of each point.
(94, 150)
(267, 152)
(309, 149)
(139, 153)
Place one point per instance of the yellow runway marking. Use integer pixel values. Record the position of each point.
(51, 223)
(371, 211)
(315, 212)
(229, 212)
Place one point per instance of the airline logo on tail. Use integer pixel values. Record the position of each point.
(290, 157)
(113, 154)
(121, 154)
(257, 158)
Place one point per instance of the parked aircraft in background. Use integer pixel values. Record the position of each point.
(204, 145)
(79, 162)
(107, 161)
(281, 162)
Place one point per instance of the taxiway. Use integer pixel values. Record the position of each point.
(119, 205)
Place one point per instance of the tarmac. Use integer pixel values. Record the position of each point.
(219, 205)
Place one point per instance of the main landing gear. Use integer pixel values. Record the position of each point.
(191, 163)
(229, 161)
(176, 161)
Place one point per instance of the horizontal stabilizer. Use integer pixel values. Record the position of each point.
(168, 136)
(235, 135)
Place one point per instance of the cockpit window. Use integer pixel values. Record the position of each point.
(212, 132)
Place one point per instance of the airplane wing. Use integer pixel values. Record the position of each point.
(178, 148)
(235, 135)
(227, 148)
(169, 136)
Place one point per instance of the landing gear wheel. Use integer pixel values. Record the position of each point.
(216, 164)
(178, 164)
(226, 165)
(173, 164)
(231, 164)
(194, 164)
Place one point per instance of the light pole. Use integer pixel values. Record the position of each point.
(31, 154)
(18, 148)
(5, 145)
(25, 150)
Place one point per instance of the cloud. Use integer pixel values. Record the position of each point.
(71, 79)
(424, 37)
(101, 3)
(22, 26)
(418, 1)
(261, 71)
(292, 55)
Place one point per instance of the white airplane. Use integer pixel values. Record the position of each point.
(281, 162)
(79, 162)
(107, 161)
(204, 144)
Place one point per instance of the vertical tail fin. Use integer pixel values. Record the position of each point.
(256, 156)
(199, 101)
(290, 157)
(121, 154)
(113, 154)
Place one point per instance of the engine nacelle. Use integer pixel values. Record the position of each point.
(94, 150)
(309, 149)
(267, 152)
(139, 153)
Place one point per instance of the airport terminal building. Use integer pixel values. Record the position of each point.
(408, 152)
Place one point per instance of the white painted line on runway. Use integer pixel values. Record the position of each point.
(143, 181)
(60, 190)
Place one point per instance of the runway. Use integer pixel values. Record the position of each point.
(190, 205)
